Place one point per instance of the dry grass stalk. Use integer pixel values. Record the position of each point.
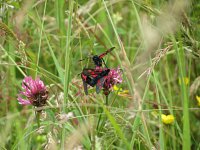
(159, 54)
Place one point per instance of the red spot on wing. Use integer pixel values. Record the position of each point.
(84, 77)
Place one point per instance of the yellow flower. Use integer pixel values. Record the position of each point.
(185, 80)
(123, 92)
(167, 119)
(120, 91)
(198, 100)
(115, 88)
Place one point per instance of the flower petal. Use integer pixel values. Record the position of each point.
(167, 119)
(23, 101)
(40, 84)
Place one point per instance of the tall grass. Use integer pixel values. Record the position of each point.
(184, 94)
(156, 49)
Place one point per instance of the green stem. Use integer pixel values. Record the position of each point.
(98, 124)
(106, 100)
(38, 118)
(184, 94)
(99, 119)
(67, 68)
(40, 40)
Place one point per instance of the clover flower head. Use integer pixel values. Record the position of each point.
(35, 92)
(114, 77)
(167, 119)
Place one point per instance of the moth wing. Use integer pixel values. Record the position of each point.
(99, 85)
(85, 87)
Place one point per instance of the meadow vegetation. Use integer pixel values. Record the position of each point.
(157, 104)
